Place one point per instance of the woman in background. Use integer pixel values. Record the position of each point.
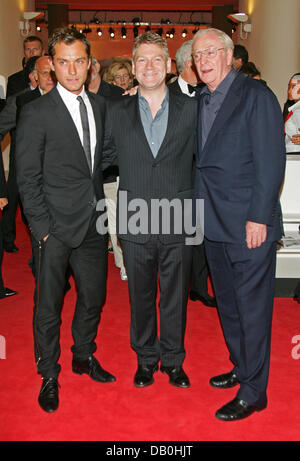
(119, 73)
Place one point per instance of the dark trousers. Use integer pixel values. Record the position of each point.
(199, 272)
(147, 265)
(9, 212)
(1, 257)
(244, 281)
(89, 266)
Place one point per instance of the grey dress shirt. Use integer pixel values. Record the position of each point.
(155, 128)
(212, 102)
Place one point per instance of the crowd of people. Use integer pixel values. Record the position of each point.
(93, 152)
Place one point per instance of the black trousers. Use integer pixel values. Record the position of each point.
(9, 212)
(147, 265)
(199, 271)
(89, 265)
(1, 257)
(244, 286)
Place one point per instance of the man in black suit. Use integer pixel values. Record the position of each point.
(239, 170)
(153, 135)
(187, 83)
(33, 46)
(4, 292)
(60, 180)
(8, 119)
(45, 80)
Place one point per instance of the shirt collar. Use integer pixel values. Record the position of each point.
(224, 86)
(67, 95)
(144, 101)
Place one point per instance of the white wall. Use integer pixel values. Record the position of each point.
(274, 44)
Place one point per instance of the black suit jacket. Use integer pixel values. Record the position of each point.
(16, 83)
(241, 166)
(26, 97)
(169, 175)
(109, 91)
(3, 187)
(55, 183)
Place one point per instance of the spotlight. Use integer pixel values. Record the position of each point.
(123, 32)
(148, 28)
(135, 31)
(38, 28)
(172, 33)
(136, 21)
(184, 33)
(160, 31)
(99, 32)
(111, 32)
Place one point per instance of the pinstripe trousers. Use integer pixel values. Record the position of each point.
(154, 266)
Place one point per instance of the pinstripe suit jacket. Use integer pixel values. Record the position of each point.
(168, 176)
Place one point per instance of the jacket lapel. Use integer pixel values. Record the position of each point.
(133, 112)
(230, 103)
(176, 103)
(64, 120)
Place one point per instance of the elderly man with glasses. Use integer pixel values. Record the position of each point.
(239, 169)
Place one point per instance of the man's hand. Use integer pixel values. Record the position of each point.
(3, 202)
(256, 234)
(131, 92)
(296, 138)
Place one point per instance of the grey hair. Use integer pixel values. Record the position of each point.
(94, 60)
(183, 54)
(224, 38)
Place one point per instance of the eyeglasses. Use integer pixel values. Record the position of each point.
(208, 53)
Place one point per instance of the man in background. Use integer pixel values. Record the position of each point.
(32, 46)
(240, 57)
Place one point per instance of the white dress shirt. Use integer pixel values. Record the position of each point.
(184, 87)
(291, 127)
(72, 104)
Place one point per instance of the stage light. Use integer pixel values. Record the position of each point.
(99, 32)
(172, 33)
(123, 32)
(111, 32)
(135, 31)
(184, 33)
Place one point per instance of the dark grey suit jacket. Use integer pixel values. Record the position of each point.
(168, 176)
(55, 183)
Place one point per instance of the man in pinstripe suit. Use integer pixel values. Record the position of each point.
(152, 134)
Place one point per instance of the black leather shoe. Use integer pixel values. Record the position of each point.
(177, 376)
(207, 299)
(92, 367)
(237, 409)
(10, 248)
(7, 292)
(48, 397)
(144, 375)
(224, 381)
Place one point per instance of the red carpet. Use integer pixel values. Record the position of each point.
(119, 412)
